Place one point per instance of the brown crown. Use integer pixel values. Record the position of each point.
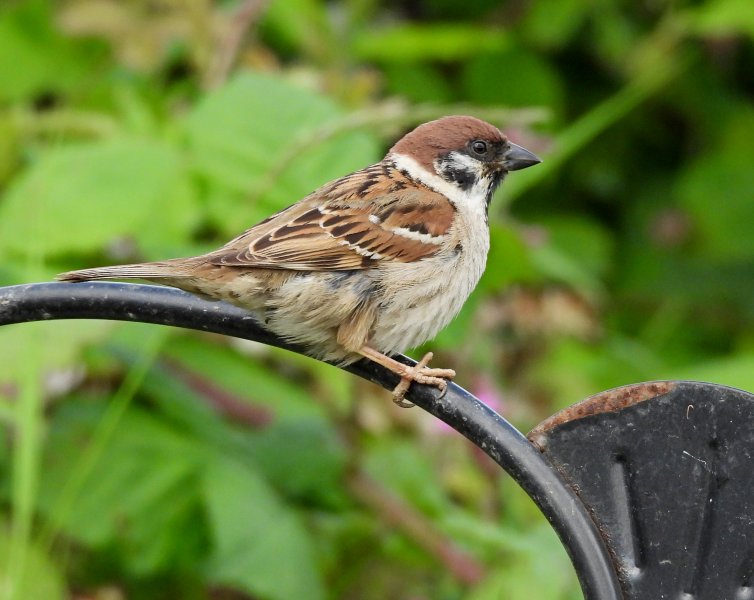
(433, 139)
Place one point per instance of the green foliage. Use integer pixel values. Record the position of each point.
(81, 197)
(35, 57)
(722, 175)
(260, 545)
(151, 463)
(415, 43)
(40, 578)
(263, 136)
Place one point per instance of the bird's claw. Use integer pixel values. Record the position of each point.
(421, 373)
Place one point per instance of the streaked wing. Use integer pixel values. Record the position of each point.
(372, 215)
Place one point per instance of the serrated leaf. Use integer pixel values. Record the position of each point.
(140, 494)
(302, 457)
(254, 136)
(79, 198)
(260, 546)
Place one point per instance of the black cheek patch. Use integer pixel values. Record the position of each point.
(495, 181)
(458, 174)
(464, 178)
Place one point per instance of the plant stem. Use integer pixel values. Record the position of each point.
(102, 436)
(26, 458)
(588, 127)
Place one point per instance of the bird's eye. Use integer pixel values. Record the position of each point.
(479, 147)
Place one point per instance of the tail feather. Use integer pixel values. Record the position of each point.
(156, 270)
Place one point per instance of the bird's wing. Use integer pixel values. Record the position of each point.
(373, 215)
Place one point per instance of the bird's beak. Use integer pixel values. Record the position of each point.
(516, 158)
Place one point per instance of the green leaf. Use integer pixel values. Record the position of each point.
(509, 260)
(56, 344)
(244, 376)
(421, 42)
(140, 496)
(302, 457)
(540, 561)
(34, 57)
(584, 240)
(9, 147)
(736, 370)
(418, 82)
(722, 18)
(260, 546)
(80, 198)
(402, 467)
(552, 23)
(513, 77)
(299, 24)
(262, 135)
(298, 451)
(718, 191)
(576, 252)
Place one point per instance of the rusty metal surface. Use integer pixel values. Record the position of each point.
(610, 401)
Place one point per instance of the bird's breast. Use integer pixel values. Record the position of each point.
(421, 298)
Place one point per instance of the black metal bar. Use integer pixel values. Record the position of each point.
(458, 408)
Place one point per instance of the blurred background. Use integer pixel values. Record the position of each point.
(149, 463)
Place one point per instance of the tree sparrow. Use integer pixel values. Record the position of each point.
(368, 265)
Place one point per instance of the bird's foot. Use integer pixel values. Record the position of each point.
(421, 373)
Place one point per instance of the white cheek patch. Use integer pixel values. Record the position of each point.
(418, 173)
(473, 200)
(466, 162)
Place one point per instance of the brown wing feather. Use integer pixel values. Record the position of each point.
(372, 215)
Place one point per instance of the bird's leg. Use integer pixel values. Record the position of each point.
(420, 373)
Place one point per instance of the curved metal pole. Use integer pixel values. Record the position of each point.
(458, 408)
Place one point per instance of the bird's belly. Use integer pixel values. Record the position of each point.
(432, 295)
(414, 301)
(310, 307)
(397, 330)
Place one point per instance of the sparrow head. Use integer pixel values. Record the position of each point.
(469, 155)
